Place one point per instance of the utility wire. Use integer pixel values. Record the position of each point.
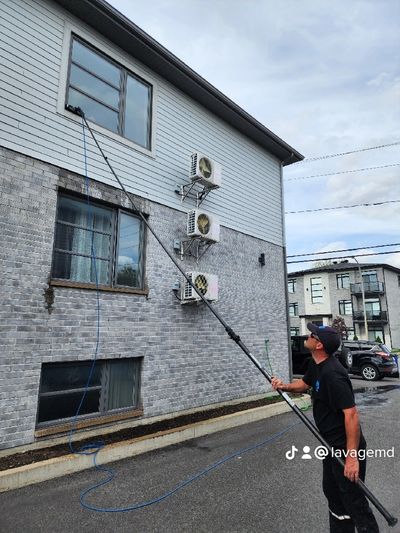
(343, 172)
(341, 207)
(346, 250)
(342, 257)
(318, 158)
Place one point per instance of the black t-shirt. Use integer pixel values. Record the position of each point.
(332, 392)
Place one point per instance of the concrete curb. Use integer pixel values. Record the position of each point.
(67, 464)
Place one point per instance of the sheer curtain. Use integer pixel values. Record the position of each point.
(123, 383)
(81, 266)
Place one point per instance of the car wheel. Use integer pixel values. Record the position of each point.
(369, 372)
(349, 360)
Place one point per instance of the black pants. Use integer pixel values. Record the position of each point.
(348, 506)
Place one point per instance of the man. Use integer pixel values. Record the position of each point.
(336, 417)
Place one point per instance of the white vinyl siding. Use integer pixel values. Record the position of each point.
(34, 123)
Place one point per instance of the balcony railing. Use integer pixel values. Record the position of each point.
(372, 316)
(370, 287)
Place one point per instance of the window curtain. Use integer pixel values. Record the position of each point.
(122, 384)
(81, 266)
(88, 242)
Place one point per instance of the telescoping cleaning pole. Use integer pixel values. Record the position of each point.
(391, 520)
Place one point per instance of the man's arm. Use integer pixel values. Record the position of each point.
(297, 386)
(352, 426)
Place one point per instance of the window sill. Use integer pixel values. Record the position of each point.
(87, 423)
(102, 288)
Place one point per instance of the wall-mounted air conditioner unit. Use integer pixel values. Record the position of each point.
(206, 283)
(202, 224)
(205, 171)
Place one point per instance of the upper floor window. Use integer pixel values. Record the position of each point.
(342, 281)
(108, 94)
(373, 306)
(345, 307)
(316, 290)
(370, 277)
(292, 285)
(294, 309)
(115, 238)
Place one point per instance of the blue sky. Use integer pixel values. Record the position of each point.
(324, 76)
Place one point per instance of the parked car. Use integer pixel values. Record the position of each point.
(371, 360)
(301, 356)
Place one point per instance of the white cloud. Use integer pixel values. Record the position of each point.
(324, 76)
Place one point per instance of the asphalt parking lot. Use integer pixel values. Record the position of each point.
(257, 491)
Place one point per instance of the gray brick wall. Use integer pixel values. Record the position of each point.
(189, 360)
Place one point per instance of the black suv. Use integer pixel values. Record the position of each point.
(371, 360)
(301, 356)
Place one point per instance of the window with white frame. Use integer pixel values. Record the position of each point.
(342, 281)
(114, 384)
(294, 309)
(345, 307)
(109, 94)
(292, 285)
(95, 244)
(317, 295)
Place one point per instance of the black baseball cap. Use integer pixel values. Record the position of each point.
(328, 336)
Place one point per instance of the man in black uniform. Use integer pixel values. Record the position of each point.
(336, 417)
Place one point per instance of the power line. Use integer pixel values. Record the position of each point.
(346, 250)
(341, 207)
(317, 158)
(342, 257)
(342, 172)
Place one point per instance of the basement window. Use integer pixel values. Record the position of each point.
(97, 245)
(114, 385)
(109, 95)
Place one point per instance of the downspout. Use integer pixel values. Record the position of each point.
(285, 267)
(387, 311)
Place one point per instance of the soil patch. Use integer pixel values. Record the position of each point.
(35, 456)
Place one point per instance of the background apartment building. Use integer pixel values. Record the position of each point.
(320, 294)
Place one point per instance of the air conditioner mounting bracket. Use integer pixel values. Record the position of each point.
(195, 247)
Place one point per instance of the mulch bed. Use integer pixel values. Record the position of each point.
(35, 456)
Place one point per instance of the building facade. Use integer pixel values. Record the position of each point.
(321, 294)
(82, 277)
